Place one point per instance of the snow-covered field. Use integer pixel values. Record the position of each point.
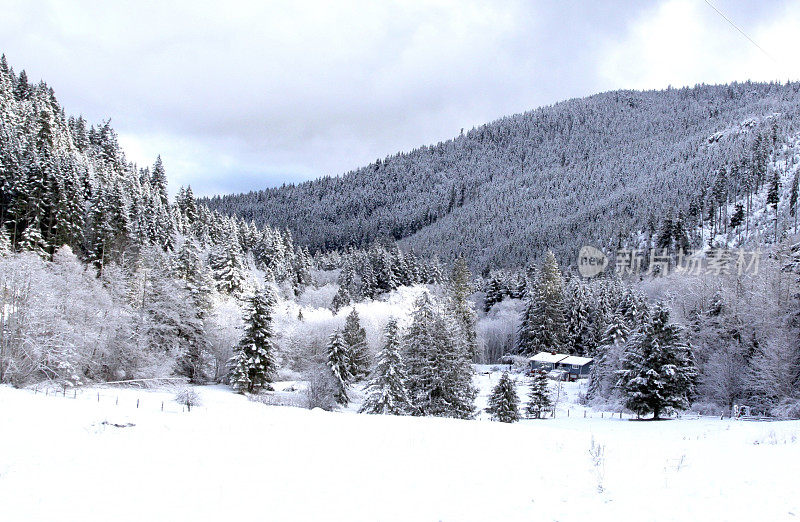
(233, 459)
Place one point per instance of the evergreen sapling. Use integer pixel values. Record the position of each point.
(504, 401)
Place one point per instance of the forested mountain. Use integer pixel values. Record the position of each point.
(603, 170)
(102, 276)
(65, 182)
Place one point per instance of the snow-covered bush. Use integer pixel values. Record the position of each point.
(188, 397)
(275, 398)
(709, 408)
(223, 330)
(318, 297)
(321, 389)
(787, 409)
(62, 323)
(497, 330)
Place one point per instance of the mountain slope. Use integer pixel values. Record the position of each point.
(590, 170)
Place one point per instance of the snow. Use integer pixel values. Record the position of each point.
(547, 357)
(574, 359)
(231, 458)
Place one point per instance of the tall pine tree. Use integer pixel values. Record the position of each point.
(339, 363)
(462, 307)
(439, 369)
(253, 364)
(543, 326)
(190, 271)
(387, 393)
(355, 337)
(658, 370)
(228, 268)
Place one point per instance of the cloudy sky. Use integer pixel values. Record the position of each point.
(239, 96)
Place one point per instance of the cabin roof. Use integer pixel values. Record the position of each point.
(547, 357)
(560, 358)
(573, 359)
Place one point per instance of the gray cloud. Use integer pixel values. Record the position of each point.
(243, 96)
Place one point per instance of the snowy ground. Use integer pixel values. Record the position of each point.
(233, 459)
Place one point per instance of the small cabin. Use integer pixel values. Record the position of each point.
(577, 367)
(574, 367)
(546, 361)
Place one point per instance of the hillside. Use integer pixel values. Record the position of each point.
(598, 170)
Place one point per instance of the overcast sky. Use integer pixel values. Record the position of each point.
(239, 96)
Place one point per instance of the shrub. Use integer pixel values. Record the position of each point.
(321, 389)
(188, 397)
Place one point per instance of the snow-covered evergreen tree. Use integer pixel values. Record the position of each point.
(543, 326)
(369, 284)
(187, 209)
(341, 299)
(658, 370)
(495, 292)
(773, 197)
(603, 377)
(355, 337)
(189, 268)
(793, 195)
(228, 267)
(462, 307)
(504, 401)
(438, 362)
(519, 287)
(5, 242)
(539, 397)
(385, 272)
(254, 363)
(158, 181)
(578, 311)
(339, 363)
(32, 241)
(387, 393)
(302, 267)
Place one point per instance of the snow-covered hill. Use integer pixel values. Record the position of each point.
(760, 224)
(233, 459)
(587, 171)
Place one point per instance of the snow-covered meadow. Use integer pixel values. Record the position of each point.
(100, 457)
